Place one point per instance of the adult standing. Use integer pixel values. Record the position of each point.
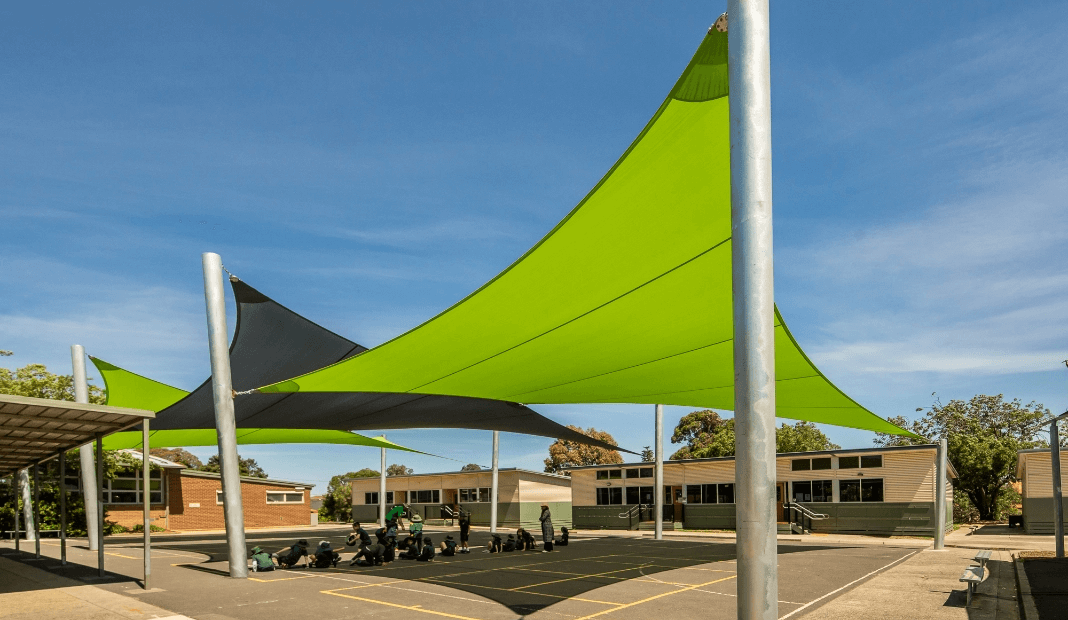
(547, 532)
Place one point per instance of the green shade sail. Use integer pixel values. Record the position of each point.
(627, 300)
(133, 390)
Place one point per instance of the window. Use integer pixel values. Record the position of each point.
(802, 491)
(292, 497)
(475, 495)
(219, 497)
(693, 494)
(812, 491)
(639, 495)
(610, 474)
(126, 489)
(425, 497)
(370, 498)
(389, 497)
(874, 460)
(610, 495)
(710, 493)
(646, 472)
(821, 491)
(801, 465)
(726, 493)
(848, 462)
(861, 490)
(633, 473)
(821, 463)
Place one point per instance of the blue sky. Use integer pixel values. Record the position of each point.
(368, 165)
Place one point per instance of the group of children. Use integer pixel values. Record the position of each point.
(386, 547)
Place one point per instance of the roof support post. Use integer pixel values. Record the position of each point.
(382, 491)
(940, 495)
(749, 75)
(15, 496)
(27, 504)
(85, 453)
(493, 488)
(658, 474)
(146, 499)
(62, 508)
(225, 423)
(99, 492)
(1058, 506)
(37, 510)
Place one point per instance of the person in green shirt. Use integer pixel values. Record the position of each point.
(261, 560)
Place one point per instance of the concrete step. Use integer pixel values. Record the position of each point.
(651, 525)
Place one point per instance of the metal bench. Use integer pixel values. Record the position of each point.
(983, 557)
(973, 576)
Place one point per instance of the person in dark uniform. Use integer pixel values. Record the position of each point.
(495, 545)
(325, 556)
(525, 540)
(510, 544)
(369, 555)
(288, 557)
(427, 554)
(359, 536)
(563, 537)
(465, 530)
(448, 546)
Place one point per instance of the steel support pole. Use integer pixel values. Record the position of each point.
(63, 508)
(382, 492)
(146, 498)
(1058, 505)
(225, 423)
(37, 509)
(658, 475)
(940, 495)
(27, 504)
(85, 453)
(15, 494)
(99, 490)
(749, 76)
(493, 489)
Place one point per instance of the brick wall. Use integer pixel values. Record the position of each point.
(129, 515)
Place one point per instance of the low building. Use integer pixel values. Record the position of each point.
(185, 499)
(1034, 470)
(520, 495)
(866, 491)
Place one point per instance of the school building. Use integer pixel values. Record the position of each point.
(1034, 470)
(184, 499)
(521, 493)
(865, 491)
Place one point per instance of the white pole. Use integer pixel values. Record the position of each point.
(27, 504)
(85, 453)
(37, 509)
(940, 496)
(1058, 506)
(493, 489)
(382, 492)
(15, 496)
(658, 474)
(749, 75)
(225, 424)
(63, 508)
(146, 498)
(99, 490)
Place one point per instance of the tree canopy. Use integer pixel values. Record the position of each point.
(708, 435)
(471, 467)
(337, 500)
(35, 381)
(397, 469)
(178, 455)
(983, 436)
(647, 455)
(565, 454)
(249, 467)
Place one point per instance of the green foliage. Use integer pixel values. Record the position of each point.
(963, 510)
(337, 501)
(35, 381)
(249, 467)
(565, 454)
(708, 435)
(471, 467)
(178, 455)
(647, 455)
(397, 469)
(983, 435)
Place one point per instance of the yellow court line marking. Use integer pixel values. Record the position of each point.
(471, 585)
(398, 606)
(624, 606)
(545, 583)
(282, 578)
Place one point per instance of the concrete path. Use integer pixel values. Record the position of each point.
(28, 593)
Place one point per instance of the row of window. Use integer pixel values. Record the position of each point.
(710, 493)
(273, 497)
(865, 490)
(128, 490)
(617, 474)
(844, 462)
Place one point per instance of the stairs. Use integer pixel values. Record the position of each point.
(649, 526)
(791, 528)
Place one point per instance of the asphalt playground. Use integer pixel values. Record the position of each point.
(597, 575)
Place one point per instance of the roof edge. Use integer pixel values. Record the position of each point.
(196, 473)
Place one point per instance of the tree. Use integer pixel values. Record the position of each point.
(397, 469)
(647, 455)
(248, 467)
(34, 380)
(708, 435)
(565, 454)
(337, 501)
(983, 436)
(178, 455)
(471, 467)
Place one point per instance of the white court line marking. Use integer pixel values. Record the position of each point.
(813, 602)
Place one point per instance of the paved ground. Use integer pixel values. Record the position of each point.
(1047, 582)
(618, 577)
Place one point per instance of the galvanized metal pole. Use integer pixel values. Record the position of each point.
(382, 492)
(225, 423)
(1058, 505)
(63, 508)
(36, 509)
(85, 453)
(15, 494)
(27, 504)
(658, 475)
(749, 75)
(146, 498)
(493, 489)
(99, 490)
(940, 495)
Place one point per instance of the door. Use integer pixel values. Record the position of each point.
(780, 492)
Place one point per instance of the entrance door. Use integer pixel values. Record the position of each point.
(780, 492)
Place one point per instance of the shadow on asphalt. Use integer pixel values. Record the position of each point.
(86, 574)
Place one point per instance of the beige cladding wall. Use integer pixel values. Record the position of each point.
(1038, 473)
(908, 476)
(508, 484)
(533, 488)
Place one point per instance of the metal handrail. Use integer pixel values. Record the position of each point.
(814, 516)
(630, 513)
